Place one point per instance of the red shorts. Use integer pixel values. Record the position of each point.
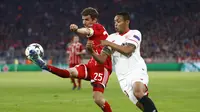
(98, 75)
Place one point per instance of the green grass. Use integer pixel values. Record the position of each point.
(43, 92)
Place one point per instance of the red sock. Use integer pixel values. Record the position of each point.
(73, 81)
(106, 107)
(79, 82)
(59, 72)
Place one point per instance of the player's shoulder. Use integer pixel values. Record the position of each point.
(135, 31)
(112, 36)
(97, 26)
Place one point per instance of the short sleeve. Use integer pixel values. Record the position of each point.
(91, 32)
(134, 38)
(96, 30)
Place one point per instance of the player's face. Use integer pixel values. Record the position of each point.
(88, 21)
(76, 39)
(120, 24)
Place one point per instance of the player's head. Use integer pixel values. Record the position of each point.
(122, 21)
(75, 38)
(89, 16)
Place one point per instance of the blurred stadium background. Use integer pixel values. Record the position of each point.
(170, 47)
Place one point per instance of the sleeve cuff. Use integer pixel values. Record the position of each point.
(91, 32)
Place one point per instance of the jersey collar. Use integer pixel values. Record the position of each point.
(124, 32)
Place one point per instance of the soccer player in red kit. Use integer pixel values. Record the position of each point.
(75, 50)
(98, 74)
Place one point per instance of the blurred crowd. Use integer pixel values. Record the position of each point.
(170, 28)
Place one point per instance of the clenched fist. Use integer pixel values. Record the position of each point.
(73, 27)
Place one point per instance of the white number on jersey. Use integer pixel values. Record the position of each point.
(98, 76)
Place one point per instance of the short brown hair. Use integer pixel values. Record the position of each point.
(90, 11)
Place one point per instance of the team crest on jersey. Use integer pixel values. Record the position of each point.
(135, 36)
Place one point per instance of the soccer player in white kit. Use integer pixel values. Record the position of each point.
(130, 68)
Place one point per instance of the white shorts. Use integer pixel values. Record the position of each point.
(126, 84)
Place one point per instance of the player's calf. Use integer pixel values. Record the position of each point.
(99, 98)
(63, 73)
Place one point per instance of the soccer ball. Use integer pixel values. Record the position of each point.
(36, 47)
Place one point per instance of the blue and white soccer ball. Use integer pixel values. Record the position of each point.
(35, 47)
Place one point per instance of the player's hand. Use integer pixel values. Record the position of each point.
(89, 46)
(73, 27)
(104, 42)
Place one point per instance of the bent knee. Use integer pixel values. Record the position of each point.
(139, 90)
(138, 94)
(73, 72)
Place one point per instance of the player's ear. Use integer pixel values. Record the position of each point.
(95, 20)
(127, 21)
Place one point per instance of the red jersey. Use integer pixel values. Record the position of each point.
(72, 50)
(99, 34)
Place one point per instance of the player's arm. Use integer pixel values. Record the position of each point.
(125, 49)
(84, 32)
(100, 58)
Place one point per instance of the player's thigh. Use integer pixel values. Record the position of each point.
(127, 89)
(79, 71)
(139, 83)
(99, 78)
(128, 82)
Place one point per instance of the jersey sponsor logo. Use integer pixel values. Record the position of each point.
(135, 36)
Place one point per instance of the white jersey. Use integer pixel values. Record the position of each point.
(125, 65)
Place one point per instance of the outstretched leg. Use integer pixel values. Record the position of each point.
(64, 73)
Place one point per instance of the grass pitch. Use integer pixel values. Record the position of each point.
(44, 92)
